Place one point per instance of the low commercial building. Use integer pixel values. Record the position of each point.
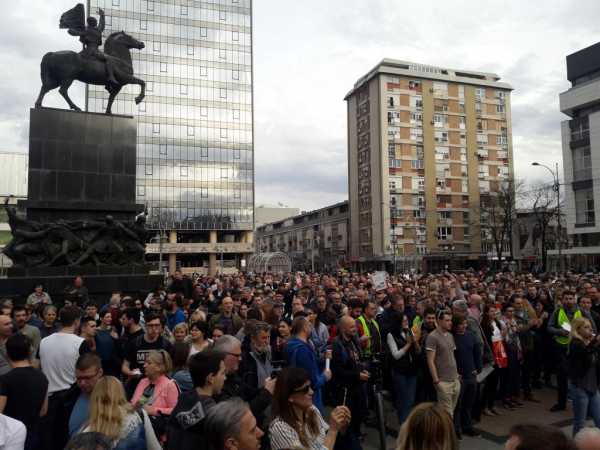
(315, 240)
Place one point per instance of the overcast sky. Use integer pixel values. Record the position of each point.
(309, 53)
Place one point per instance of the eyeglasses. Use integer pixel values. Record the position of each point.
(235, 355)
(88, 378)
(302, 390)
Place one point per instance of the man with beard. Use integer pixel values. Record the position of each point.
(256, 362)
(236, 383)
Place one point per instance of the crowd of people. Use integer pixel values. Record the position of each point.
(290, 361)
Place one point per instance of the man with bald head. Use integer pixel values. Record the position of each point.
(475, 306)
(6, 331)
(350, 377)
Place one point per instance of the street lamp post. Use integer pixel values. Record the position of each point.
(556, 188)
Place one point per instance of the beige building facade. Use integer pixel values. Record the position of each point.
(316, 239)
(425, 146)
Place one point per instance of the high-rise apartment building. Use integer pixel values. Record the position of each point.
(195, 158)
(426, 147)
(581, 156)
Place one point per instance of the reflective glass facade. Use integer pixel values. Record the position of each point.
(195, 163)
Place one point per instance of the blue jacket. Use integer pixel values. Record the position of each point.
(175, 318)
(301, 354)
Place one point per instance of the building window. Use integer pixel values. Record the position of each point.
(414, 85)
(141, 191)
(237, 194)
(440, 120)
(190, 131)
(584, 207)
(190, 50)
(222, 53)
(203, 111)
(416, 163)
(393, 118)
(142, 107)
(204, 192)
(183, 89)
(162, 149)
(390, 102)
(462, 122)
(156, 128)
(223, 93)
(482, 138)
(236, 114)
(184, 10)
(235, 36)
(183, 171)
(203, 71)
(416, 118)
(501, 140)
(500, 108)
(163, 67)
(150, 6)
(203, 32)
(224, 173)
(444, 233)
(479, 93)
(143, 24)
(203, 152)
(441, 136)
(148, 170)
(115, 3)
(156, 47)
(235, 74)
(222, 15)
(223, 133)
(582, 164)
(149, 86)
(237, 153)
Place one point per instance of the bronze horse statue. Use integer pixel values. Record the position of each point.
(60, 69)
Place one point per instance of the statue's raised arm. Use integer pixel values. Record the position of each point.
(102, 23)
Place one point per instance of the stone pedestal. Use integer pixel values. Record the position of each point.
(82, 167)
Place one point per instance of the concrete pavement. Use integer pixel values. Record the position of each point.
(494, 430)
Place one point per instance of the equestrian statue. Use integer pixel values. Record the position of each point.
(111, 68)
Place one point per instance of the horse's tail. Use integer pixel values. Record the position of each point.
(45, 69)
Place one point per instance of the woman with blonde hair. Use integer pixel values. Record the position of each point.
(584, 373)
(157, 394)
(429, 427)
(113, 417)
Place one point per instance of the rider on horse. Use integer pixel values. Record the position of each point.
(91, 38)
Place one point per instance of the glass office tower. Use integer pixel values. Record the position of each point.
(195, 169)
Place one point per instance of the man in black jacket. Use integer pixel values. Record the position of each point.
(235, 386)
(186, 424)
(350, 378)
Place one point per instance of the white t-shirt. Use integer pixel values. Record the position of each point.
(12, 433)
(58, 355)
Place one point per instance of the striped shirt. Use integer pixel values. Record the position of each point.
(284, 436)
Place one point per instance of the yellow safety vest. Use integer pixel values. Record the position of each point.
(365, 327)
(563, 318)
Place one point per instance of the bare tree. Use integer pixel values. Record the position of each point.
(542, 200)
(498, 215)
